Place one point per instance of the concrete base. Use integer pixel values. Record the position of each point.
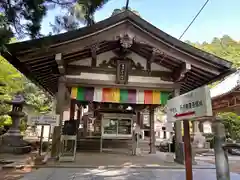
(14, 144)
(169, 157)
(179, 158)
(179, 153)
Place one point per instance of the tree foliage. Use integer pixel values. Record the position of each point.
(23, 18)
(80, 13)
(231, 122)
(15, 82)
(224, 47)
(229, 49)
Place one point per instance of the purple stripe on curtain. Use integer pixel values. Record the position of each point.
(88, 93)
(132, 96)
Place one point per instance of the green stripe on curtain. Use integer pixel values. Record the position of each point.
(80, 94)
(164, 97)
(123, 95)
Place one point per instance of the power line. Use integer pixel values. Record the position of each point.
(190, 24)
(127, 4)
(194, 19)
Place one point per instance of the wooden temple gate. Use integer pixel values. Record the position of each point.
(118, 62)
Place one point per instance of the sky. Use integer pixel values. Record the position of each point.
(218, 18)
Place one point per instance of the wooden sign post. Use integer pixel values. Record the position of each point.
(187, 150)
(189, 106)
(51, 120)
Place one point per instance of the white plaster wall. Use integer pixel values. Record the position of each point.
(156, 67)
(138, 59)
(104, 56)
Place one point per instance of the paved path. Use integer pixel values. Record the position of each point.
(120, 174)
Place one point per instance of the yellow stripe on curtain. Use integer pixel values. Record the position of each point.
(156, 97)
(116, 95)
(74, 93)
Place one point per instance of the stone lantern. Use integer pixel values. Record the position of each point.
(12, 141)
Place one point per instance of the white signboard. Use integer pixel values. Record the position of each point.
(52, 120)
(194, 104)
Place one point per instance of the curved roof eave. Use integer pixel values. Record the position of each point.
(228, 85)
(126, 15)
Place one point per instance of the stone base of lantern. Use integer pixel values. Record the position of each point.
(12, 142)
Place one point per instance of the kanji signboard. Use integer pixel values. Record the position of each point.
(196, 103)
(52, 120)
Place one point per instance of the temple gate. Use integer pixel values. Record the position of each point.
(117, 63)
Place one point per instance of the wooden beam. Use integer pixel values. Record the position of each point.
(72, 81)
(77, 44)
(87, 52)
(180, 74)
(175, 53)
(78, 69)
(58, 59)
(166, 63)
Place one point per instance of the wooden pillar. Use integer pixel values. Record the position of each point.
(139, 118)
(60, 101)
(200, 126)
(152, 132)
(178, 136)
(79, 116)
(72, 110)
(85, 124)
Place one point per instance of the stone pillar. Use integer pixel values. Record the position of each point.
(179, 154)
(221, 155)
(152, 132)
(195, 126)
(60, 101)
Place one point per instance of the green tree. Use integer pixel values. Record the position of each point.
(15, 82)
(80, 13)
(21, 18)
(224, 47)
(231, 122)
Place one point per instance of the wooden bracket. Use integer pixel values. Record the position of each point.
(94, 49)
(61, 67)
(180, 74)
(155, 52)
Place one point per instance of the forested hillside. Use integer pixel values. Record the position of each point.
(224, 47)
(228, 49)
